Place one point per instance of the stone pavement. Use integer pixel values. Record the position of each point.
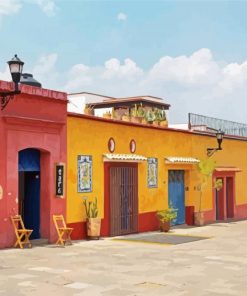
(215, 266)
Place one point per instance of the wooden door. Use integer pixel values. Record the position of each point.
(220, 202)
(123, 200)
(229, 198)
(176, 194)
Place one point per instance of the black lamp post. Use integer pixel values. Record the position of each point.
(219, 137)
(15, 67)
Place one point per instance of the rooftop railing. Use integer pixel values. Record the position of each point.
(211, 124)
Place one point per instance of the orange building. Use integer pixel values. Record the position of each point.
(137, 169)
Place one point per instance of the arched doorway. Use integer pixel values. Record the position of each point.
(29, 189)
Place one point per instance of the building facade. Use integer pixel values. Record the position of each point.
(128, 197)
(50, 160)
(33, 140)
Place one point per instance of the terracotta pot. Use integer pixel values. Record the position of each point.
(125, 118)
(199, 219)
(88, 111)
(93, 228)
(107, 115)
(136, 119)
(164, 123)
(156, 123)
(165, 226)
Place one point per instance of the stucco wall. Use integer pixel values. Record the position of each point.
(90, 137)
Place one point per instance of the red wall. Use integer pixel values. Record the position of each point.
(34, 119)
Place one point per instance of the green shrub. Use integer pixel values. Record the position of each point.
(167, 215)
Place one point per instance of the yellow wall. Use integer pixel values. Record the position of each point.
(90, 137)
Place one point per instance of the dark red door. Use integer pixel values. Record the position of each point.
(219, 202)
(123, 200)
(229, 198)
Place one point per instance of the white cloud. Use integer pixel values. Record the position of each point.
(114, 69)
(5, 75)
(197, 83)
(47, 6)
(79, 75)
(45, 64)
(8, 7)
(122, 16)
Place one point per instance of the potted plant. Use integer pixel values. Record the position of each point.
(88, 109)
(158, 115)
(205, 169)
(93, 221)
(141, 112)
(150, 116)
(107, 114)
(165, 217)
(163, 120)
(135, 115)
(126, 116)
(115, 114)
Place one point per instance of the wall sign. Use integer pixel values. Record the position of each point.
(132, 146)
(111, 145)
(152, 172)
(59, 179)
(84, 170)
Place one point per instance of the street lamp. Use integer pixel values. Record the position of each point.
(15, 67)
(219, 137)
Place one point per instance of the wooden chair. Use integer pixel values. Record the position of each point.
(22, 234)
(62, 230)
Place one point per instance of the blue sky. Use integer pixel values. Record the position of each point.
(192, 53)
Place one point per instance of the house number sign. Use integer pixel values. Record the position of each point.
(59, 179)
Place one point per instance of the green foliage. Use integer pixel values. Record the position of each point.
(134, 111)
(138, 111)
(218, 184)
(206, 166)
(91, 208)
(150, 116)
(167, 215)
(160, 114)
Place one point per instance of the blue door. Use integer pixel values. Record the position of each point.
(29, 190)
(176, 194)
(32, 203)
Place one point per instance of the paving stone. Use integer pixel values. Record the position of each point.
(210, 267)
(22, 276)
(77, 285)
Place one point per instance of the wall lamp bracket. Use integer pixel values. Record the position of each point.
(211, 151)
(7, 96)
(219, 137)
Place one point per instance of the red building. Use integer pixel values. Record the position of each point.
(33, 140)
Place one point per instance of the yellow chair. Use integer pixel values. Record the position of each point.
(22, 234)
(63, 231)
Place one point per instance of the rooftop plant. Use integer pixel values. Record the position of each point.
(150, 115)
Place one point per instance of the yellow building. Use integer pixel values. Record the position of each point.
(136, 169)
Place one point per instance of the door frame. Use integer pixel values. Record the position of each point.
(184, 178)
(106, 222)
(224, 175)
(32, 166)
